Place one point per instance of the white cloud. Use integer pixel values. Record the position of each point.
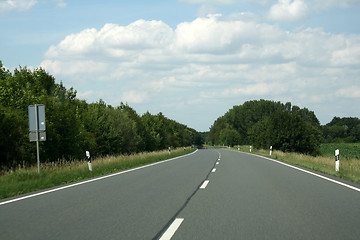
(288, 10)
(134, 97)
(25, 5)
(205, 10)
(252, 90)
(230, 58)
(348, 54)
(74, 44)
(279, 10)
(318, 4)
(140, 34)
(220, 2)
(61, 3)
(114, 40)
(350, 92)
(85, 95)
(297, 10)
(154, 46)
(73, 67)
(20, 5)
(324, 5)
(227, 2)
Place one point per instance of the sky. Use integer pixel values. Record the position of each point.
(192, 60)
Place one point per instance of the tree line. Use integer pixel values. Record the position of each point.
(263, 123)
(73, 125)
(345, 129)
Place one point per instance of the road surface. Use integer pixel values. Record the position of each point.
(240, 196)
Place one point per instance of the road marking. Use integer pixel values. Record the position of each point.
(218, 159)
(205, 183)
(311, 173)
(92, 180)
(217, 163)
(214, 169)
(172, 229)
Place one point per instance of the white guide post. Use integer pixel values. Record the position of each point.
(87, 153)
(337, 160)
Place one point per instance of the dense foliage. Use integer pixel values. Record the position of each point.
(342, 130)
(73, 125)
(266, 123)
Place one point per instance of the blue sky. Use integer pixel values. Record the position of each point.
(193, 60)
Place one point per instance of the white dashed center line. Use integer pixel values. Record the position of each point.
(214, 169)
(205, 183)
(172, 229)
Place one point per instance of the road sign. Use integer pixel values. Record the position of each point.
(37, 127)
(41, 136)
(37, 123)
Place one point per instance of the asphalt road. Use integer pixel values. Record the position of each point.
(247, 197)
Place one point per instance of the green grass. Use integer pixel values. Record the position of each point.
(347, 150)
(349, 163)
(24, 180)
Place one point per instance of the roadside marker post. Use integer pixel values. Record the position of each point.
(169, 151)
(87, 153)
(270, 150)
(337, 160)
(250, 148)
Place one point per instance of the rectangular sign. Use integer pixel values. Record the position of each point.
(40, 110)
(33, 135)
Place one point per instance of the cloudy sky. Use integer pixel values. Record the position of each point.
(192, 60)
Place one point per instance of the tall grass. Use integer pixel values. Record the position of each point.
(349, 167)
(24, 180)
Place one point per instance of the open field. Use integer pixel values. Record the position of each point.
(347, 150)
(349, 163)
(24, 180)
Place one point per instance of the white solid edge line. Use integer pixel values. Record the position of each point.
(92, 180)
(172, 229)
(311, 173)
(205, 183)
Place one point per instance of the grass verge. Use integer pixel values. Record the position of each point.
(24, 180)
(349, 167)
